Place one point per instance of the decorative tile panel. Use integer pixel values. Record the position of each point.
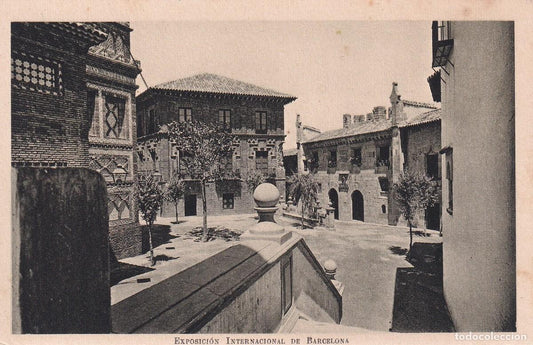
(35, 73)
(105, 164)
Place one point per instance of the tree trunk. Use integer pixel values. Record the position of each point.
(410, 238)
(302, 213)
(152, 260)
(204, 206)
(176, 208)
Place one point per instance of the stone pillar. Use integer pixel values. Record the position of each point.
(330, 217)
(266, 196)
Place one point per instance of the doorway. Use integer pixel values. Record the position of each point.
(334, 199)
(433, 217)
(190, 205)
(358, 206)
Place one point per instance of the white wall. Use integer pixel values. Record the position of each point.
(478, 123)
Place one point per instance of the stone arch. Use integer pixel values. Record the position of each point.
(334, 200)
(358, 206)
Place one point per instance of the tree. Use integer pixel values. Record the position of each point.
(150, 199)
(304, 188)
(413, 193)
(203, 147)
(254, 179)
(174, 192)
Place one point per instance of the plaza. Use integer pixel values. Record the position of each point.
(368, 256)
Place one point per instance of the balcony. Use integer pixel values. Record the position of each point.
(442, 44)
(382, 166)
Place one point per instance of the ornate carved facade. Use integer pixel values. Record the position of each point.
(111, 74)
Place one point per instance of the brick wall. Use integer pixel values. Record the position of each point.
(125, 239)
(50, 128)
(244, 157)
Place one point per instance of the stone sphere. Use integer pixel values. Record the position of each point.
(330, 266)
(266, 195)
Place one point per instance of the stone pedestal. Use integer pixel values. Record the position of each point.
(266, 196)
(329, 221)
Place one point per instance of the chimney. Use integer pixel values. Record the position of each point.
(379, 113)
(346, 121)
(358, 118)
(397, 115)
(299, 134)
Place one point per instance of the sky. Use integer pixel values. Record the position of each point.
(332, 68)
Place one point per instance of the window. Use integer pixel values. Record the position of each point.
(261, 161)
(383, 156)
(29, 72)
(332, 163)
(224, 118)
(442, 43)
(449, 177)
(357, 158)
(227, 201)
(432, 166)
(184, 115)
(260, 122)
(286, 283)
(114, 116)
(383, 209)
(383, 184)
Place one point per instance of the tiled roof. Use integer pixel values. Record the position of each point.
(418, 104)
(213, 83)
(430, 116)
(86, 30)
(360, 128)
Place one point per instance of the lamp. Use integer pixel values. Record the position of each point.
(119, 174)
(157, 176)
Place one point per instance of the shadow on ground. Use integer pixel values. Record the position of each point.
(160, 235)
(398, 250)
(421, 233)
(121, 271)
(164, 257)
(419, 304)
(213, 233)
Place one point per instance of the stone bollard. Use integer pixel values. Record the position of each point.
(330, 217)
(266, 196)
(330, 267)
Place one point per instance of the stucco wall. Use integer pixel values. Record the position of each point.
(256, 310)
(478, 123)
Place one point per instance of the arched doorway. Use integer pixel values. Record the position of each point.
(334, 199)
(358, 206)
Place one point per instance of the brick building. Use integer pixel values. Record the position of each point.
(255, 116)
(49, 123)
(357, 164)
(73, 105)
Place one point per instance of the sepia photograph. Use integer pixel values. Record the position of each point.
(316, 179)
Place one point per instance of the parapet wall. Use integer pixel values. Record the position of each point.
(60, 251)
(239, 290)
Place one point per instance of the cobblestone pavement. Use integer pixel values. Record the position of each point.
(367, 256)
